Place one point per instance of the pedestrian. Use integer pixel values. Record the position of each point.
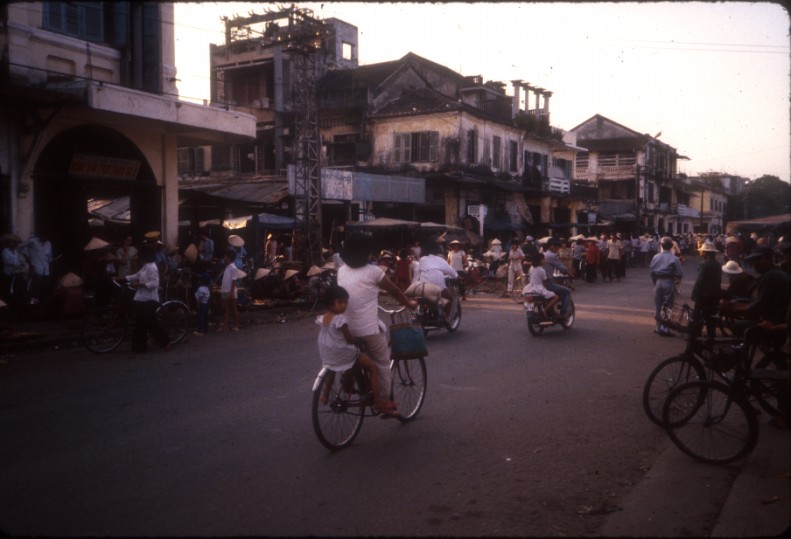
(363, 281)
(515, 258)
(578, 257)
(604, 252)
(236, 244)
(146, 302)
(68, 297)
(205, 246)
(591, 259)
(15, 270)
(456, 260)
(645, 243)
(229, 292)
(626, 249)
(127, 257)
(665, 268)
(270, 250)
(613, 258)
(202, 297)
(403, 273)
(707, 290)
(39, 253)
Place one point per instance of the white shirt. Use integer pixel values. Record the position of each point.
(433, 269)
(203, 294)
(335, 353)
(148, 276)
(40, 255)
(362, 284)
(228, 277)
(456, 260)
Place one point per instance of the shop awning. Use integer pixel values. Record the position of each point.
(250, 192)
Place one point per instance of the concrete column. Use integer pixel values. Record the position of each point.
(170, 190)
(516, 98)
(547, 95)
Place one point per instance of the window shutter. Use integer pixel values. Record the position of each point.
(433, 146)
(396, 148)
(94, 24)
(406, 144)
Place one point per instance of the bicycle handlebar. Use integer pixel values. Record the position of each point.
(396, 311)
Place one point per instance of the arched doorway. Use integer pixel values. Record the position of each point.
(89, 163)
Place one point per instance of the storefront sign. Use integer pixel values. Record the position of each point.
(94, 166)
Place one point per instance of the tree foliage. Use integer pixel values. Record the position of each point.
(765, 196)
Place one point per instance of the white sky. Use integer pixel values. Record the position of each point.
(712, 77)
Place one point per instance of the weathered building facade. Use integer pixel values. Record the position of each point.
(636, 176)
(89, 113)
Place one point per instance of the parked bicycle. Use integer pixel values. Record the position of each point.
(106, 327)
(715, 421)
(340, 399)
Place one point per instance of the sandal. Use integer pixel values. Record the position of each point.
(387, 409)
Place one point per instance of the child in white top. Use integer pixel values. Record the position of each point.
(338, 348)
(202, 295)
(538, 277)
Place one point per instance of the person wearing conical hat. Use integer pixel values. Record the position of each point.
(67, 296)
(707, 291)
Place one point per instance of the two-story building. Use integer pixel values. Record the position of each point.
(90, 116)
(639, 188)
(709, 199)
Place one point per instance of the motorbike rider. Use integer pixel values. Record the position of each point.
(431, 280)
(553, 263)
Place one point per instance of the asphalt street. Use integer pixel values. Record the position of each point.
(518, 435)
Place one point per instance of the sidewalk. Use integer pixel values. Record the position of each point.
(682, 497)
(29, 336)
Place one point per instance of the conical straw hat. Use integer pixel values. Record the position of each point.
(314, 270)
(235, 240)
(191, 253)
(70, 280)
(95, 244)
(290, 274)
(260, 273)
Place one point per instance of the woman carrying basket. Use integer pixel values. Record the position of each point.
(363, 281)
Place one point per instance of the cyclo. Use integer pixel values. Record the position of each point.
(340, 398)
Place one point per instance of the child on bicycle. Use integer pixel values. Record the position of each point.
(538, 276)
(338, 349)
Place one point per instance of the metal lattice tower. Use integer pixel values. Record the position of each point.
(302, 39)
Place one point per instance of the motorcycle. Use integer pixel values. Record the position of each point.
(431, 317)
(538, 319)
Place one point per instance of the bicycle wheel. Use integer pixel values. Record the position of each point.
(567, 322)
(519, 285)
(455, 322)
(174, 317)
(668, 375)
(409, 386)
(337, 411)
(709, 422)
(103, 330)
(769, 381)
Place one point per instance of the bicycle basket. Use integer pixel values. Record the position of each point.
(677, 318)
(407, 341)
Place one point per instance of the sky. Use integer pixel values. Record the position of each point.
(713, 78)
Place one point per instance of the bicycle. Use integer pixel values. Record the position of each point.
(520, 282)
(106, 327)
(714, 421)
(340, 399)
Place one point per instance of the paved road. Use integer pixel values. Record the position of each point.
(518, 435)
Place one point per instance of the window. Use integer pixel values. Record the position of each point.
(184, 160)
(582, 161)
(496, 142)
(512, 155)
(419, 147)
(472, 147)
(347, 50)
(84, 20)
(650, 192)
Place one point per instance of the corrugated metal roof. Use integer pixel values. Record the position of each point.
(250, 191)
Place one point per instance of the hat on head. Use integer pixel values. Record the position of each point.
(152, 235)
(314, 270)
(260, 273)
(529, 238)
(730, 239)
(328, 266)
(191, 253)
(753, 235)
(386, 254)
(760, 252)
(495, 241)
(269, 236)
(290, 273)
(235, 240)
(95, 244)
(240, 274)
(455, 242)
(732, 267)
(70, 280)
(708, 247)
(618, 235)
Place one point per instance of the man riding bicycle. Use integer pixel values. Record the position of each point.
(552, 263)
(431, 278)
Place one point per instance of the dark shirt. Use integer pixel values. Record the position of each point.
(772, 297)
(707, 285)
